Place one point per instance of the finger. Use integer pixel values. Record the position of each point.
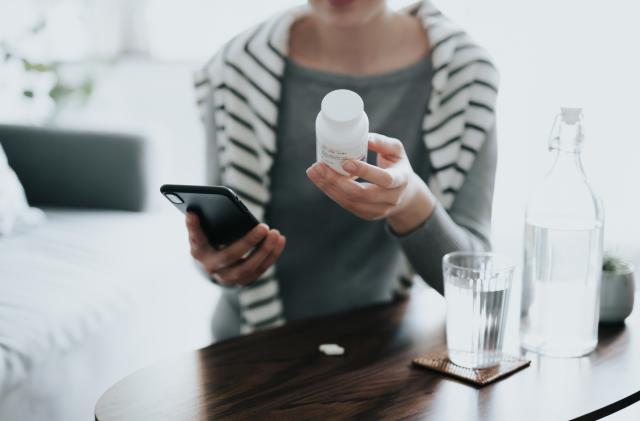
(350, 194)
(389, 147)
(378, 204)
(245, 270)
(338, 197)
(222, 281)
(371, 212)
(319, 174)
(248, 268)
(193, 223)
(343, 189)
(375, 199)
(316, 172)
(219, 279)
(234, 252)
(197, 239)
(323, 176)
(387, 178)
(271, 259)
(347, 192)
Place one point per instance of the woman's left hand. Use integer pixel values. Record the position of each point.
(392, 190)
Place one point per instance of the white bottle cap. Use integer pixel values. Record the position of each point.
(342, 105)
(571, 115)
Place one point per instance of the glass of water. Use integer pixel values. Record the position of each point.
(476, 289)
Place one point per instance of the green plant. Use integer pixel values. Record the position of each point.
(613, 263)
(60, 91)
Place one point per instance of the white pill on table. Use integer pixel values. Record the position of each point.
(331, 349)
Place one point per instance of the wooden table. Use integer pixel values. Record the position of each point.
(280, 374)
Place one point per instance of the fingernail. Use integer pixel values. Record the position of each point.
(319, 170)
(349, 166)
(260, 230)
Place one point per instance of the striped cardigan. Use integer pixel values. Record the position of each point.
(239, 92)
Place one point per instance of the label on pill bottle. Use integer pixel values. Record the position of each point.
(334, 158)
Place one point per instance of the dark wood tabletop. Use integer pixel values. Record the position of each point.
(281, 374)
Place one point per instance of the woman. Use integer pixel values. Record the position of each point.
(427, 187)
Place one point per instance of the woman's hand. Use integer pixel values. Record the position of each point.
(232, 265)
(393, 190)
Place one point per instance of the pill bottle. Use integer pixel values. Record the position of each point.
(342, 129)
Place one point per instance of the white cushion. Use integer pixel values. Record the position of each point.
(84, 270)
(15, 212)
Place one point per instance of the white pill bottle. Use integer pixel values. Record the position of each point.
(342, 129)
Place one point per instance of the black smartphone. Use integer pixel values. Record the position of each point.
(223, 216)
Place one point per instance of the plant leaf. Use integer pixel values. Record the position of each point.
(612, 263)
(59, 91)
(37, 67)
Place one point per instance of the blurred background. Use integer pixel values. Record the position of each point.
(125, 66)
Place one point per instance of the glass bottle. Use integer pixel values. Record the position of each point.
(563, 251)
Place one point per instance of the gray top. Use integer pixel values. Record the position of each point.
(334, 260)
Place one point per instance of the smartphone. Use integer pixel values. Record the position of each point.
(223, 216)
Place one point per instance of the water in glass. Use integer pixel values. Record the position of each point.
(477, 287)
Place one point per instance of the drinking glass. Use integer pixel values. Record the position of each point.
(476, 289)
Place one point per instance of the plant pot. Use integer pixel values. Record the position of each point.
(616, 295)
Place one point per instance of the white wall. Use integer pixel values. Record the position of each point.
(553, 53)
(194, 28)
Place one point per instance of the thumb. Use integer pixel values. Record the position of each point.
(388, 147)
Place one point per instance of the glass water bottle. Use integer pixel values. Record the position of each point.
(563, 251)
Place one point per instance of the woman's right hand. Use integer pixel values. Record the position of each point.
(232, 265)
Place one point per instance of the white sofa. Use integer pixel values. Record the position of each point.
(91, 294)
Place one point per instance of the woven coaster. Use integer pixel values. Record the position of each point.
(439, 361)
